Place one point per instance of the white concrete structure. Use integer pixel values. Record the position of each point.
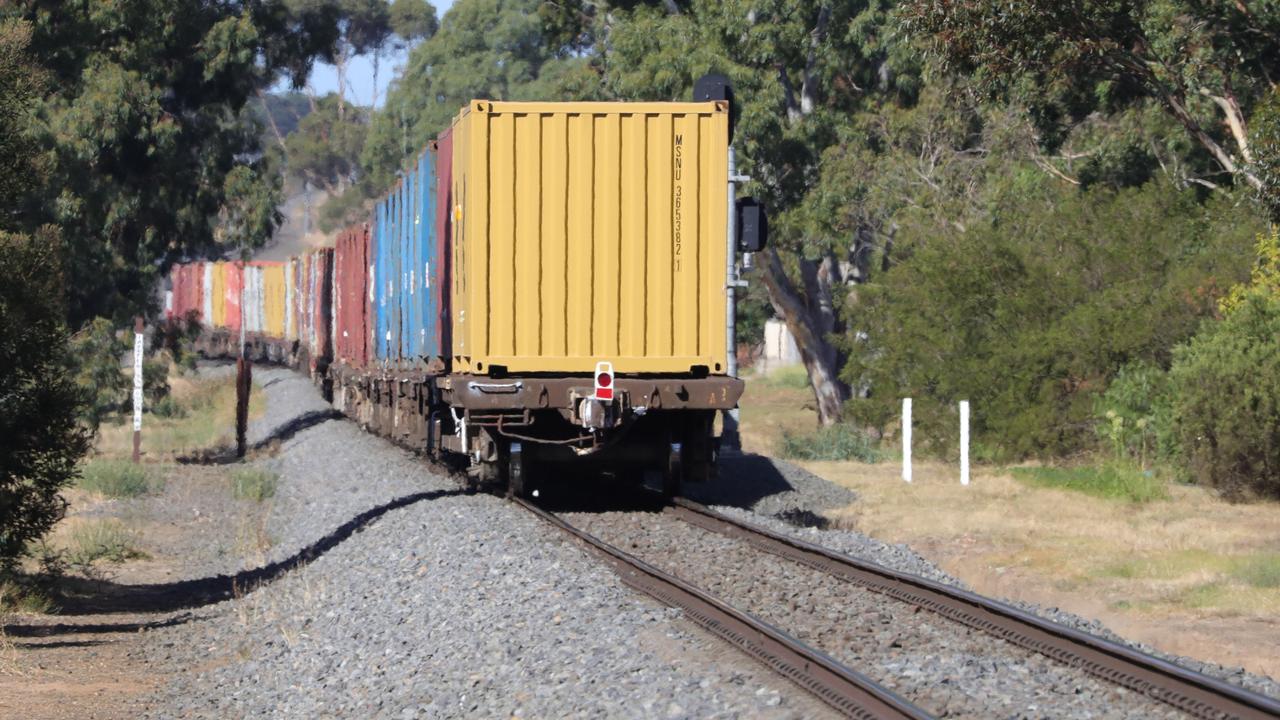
(779, 347)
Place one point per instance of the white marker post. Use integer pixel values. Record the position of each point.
(964, 442)
(137, 390)
(906, 439)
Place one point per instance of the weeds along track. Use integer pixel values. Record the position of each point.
(920, 646)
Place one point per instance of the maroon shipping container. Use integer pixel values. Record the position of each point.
(188, 281)
(351, 311)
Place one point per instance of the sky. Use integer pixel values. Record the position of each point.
(324, 78)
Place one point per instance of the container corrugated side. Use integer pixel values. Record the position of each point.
(440, 258)
(588, 232)
(206, 293)
(273, 299)
(351, 299)
(233, 275)
(219, 300)
(291, 298)
(383, 279)
(319, 302)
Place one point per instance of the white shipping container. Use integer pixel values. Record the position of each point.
(206, 312)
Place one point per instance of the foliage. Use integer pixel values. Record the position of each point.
(1133, 414)
(253, 484)
(1264, 131)
(146, 135)
(1113, 481)
(99, 351)
(1030, 312)
(1205, 64)
(20, 84)
(39, 402)
(115, 478)
(1225, 385)
(833, 442)
(483, 49)
(413, 20)
(1264, 279)
(325, 150)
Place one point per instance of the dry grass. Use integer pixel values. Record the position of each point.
(209, 421)
(87, 541)
(774, 405)
(1158, 554)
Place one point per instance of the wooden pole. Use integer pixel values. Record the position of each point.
(137, 388)
(244, 380)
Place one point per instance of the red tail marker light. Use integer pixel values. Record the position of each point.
(604, 381)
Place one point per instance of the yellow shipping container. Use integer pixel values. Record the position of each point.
(218, 300)
(590, 231)
(273, 296)
(290, 299)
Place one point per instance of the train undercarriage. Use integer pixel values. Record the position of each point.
(515, 432)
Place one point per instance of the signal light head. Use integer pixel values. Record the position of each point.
(604, 381)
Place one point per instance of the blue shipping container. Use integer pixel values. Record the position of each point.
(410, 317)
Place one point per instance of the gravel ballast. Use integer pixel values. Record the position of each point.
(946, 669)
(424, 601)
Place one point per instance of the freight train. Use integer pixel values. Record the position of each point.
(547, 284)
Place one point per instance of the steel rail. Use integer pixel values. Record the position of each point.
(1191, 692)
(847, 691)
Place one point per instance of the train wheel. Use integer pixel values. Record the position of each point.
(673, 470)
(516, 470)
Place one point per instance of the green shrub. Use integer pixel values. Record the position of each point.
(1133, 415)
(253, 484)
(168, 407)
(1113, 481)
(834, 442)
(41, 440)
(115, 478)
(1031, 312)
(99, 351)
(1225, 389)
(107, 539)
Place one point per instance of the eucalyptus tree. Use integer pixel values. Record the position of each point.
(1209, 65)
(145, 122)
(803, 72)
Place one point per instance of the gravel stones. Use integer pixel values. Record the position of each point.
(768, 486)
(947, 669)
(904, 559)
(412, 598)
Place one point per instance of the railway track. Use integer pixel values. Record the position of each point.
(1193, 693)
(844, 689)
(848, 691)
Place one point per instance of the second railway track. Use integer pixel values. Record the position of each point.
(932, 649)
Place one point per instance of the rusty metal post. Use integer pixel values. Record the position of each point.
(244, 380)
(137, 388)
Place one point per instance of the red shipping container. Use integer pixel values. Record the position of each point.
(232, 287)
(351, 311)
(320, 266)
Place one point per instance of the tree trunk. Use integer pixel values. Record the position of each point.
(810, 326)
